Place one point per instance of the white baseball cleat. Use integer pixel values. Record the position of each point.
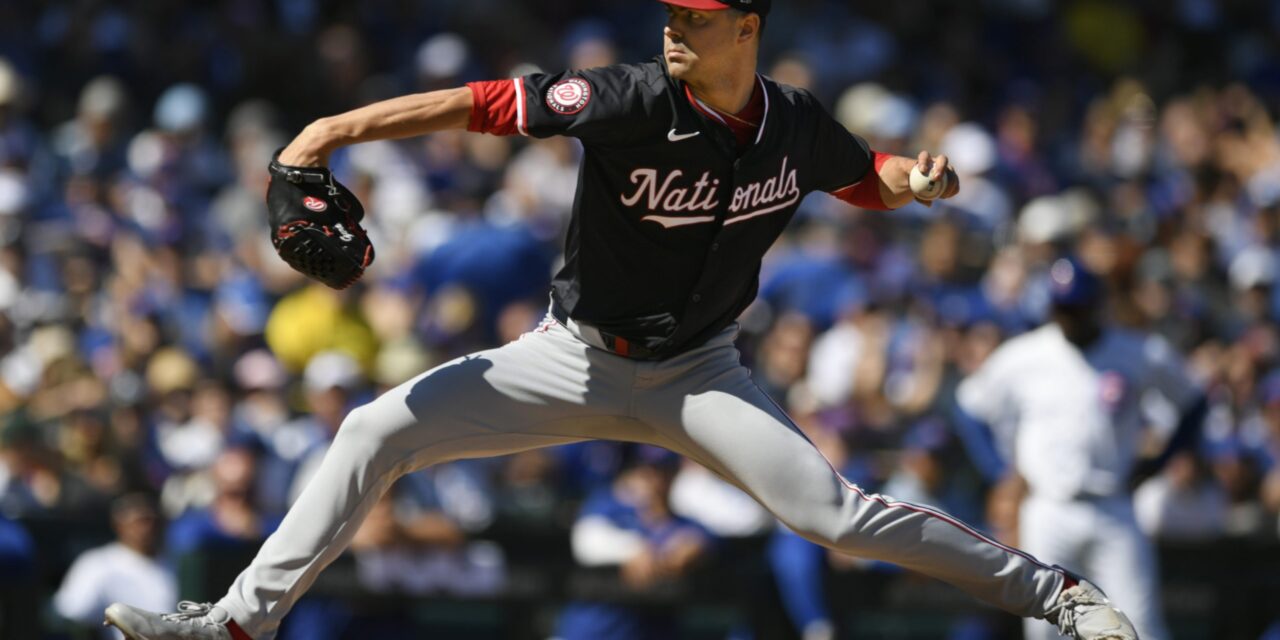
(1083, 612)
(192, 622)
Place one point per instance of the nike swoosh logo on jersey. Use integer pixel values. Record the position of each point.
(677, 137)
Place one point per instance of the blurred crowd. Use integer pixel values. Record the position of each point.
(162, 370)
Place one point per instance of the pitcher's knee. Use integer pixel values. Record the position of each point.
(829, 524)
(818, 525)
(380, 439)
(359, 434)
(822, 536)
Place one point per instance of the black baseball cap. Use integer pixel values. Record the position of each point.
(749, 6)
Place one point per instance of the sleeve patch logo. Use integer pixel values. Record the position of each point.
(570, 96)
(314, 204)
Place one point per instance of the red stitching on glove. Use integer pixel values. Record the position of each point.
(291, 229)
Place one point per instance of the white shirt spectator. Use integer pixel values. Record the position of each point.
(725, 510)
(1170, 512)
(833, 364)
(114, 573)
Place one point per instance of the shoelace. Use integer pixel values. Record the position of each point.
(1064, 611)
(193, 612)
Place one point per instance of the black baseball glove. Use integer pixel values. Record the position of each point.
(315, 224)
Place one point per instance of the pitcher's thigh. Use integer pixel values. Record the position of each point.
(530, 393)
(737, 432)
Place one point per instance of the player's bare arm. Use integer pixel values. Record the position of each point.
(313, 218)
(401, 117)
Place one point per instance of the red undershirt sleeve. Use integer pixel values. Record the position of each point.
(866, 192)
(493, 107)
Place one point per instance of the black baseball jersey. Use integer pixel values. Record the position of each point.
(670, 223)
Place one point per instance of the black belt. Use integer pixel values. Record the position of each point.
(609, 342)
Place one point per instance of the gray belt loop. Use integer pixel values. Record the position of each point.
(585, 333)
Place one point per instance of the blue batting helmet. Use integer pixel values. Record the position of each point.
(1071, 284)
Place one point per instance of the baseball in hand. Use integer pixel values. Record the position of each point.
(926, 189)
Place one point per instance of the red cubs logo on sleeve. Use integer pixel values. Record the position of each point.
(315, 204)
(570, 96)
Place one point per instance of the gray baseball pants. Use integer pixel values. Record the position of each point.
(550, 387)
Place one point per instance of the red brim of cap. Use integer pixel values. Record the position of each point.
(700, 5)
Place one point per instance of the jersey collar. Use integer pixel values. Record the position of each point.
(685, 118)
(764, 120)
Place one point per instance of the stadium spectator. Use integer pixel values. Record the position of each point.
(231, 520)
(130, 567)
(17, 555)
(630, 526)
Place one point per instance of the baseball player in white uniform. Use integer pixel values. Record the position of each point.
(1068, 404)
(693, 164)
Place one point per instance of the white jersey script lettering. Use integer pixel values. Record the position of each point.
(669, 196)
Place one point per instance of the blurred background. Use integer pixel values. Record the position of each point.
(167, 383)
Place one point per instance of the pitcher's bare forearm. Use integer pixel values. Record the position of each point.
(895, 189)
(402, 117)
